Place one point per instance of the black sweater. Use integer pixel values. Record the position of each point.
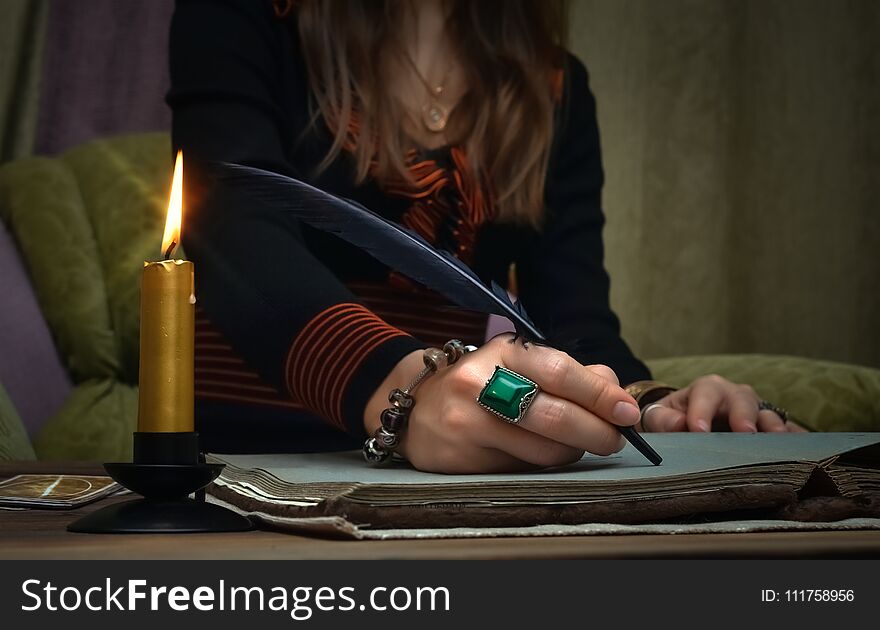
(283, 298)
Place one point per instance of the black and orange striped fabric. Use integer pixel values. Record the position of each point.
(448, 204)
(328, 350)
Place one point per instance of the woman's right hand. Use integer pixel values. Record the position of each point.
(577, 410)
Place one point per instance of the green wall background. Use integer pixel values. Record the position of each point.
(742, 154)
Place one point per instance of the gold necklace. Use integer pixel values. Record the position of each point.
(434, 114)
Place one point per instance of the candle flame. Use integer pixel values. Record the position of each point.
(171, 239)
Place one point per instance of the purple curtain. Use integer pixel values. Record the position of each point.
(105, 71)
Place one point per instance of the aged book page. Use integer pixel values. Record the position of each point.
(701, 474)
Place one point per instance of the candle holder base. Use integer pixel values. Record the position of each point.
(165, 508)
(145, 516)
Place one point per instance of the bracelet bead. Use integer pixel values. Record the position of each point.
(393, 419)
(435, 359)
(374, 452)
(388, 439)
(400, 398)
(453, 349)
(379, 448)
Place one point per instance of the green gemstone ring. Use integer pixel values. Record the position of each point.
(508, 394)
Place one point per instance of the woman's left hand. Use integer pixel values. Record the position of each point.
(714, 402)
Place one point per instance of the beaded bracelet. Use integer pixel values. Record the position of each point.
(379, 448)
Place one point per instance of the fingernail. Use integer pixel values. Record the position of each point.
(752, 427)
(702, 425)
(625, 413)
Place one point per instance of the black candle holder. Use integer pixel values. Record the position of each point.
(166, 469)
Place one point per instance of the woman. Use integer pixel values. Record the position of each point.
(466, 122)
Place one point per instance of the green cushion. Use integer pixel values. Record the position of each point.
(85, 223)
(14, 443)
(42, 207)
(124, 183)
(95, 423)
(822, 395)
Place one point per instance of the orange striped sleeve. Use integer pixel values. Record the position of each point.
(326, 353)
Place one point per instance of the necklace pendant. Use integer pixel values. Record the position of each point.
(434, 117)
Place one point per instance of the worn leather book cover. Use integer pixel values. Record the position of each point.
(703, 476)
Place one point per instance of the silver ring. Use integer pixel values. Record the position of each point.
(643, 414)
(763, 405)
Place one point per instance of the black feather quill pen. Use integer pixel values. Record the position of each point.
(394, 246)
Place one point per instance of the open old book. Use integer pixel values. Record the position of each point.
(702, 475)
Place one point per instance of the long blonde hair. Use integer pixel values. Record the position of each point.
(512, 54)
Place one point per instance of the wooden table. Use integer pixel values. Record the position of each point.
(41, 534)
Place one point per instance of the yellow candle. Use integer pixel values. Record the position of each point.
(167, 330)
